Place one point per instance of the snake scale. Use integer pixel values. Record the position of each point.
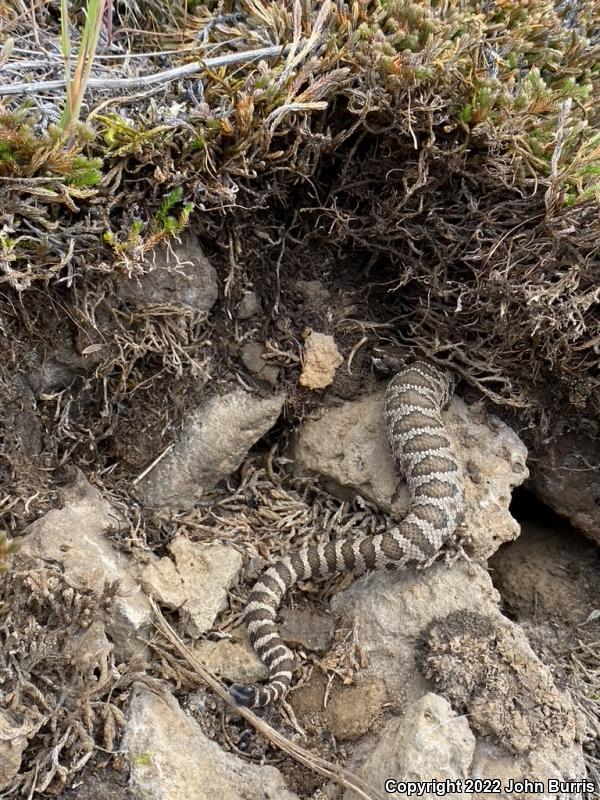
(418, 440)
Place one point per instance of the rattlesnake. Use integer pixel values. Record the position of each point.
(414, 400)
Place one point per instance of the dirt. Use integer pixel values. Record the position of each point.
(549, 579)
(100, 783)
(549, 574)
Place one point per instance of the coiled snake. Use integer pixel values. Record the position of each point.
(417, 437)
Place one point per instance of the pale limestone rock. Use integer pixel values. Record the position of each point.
(162, 581)
(347, 447)
(197, 581)
(393, 614)
(430, 742)
(392, 611)
(234, 659)
(491, 761)
(321, 360)
(74, 536)
(170, 758)
(212, 444)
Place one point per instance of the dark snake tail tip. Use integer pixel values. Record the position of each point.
(241, 694)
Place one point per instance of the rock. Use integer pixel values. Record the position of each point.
(314, 293)
(22, 428)
(429, 743)
(90, 648)
(485, 666)
(567, 479)
(197, 582)
(347, 447)
(13, 741)
(393, 615)
(171, 758)
(214, 440)
(249, 306)
(305, 628)
(253, 358)
(74, 536)
(234, 659)
(492, 763)
(179, 275)
(392, 611)
(162, 581)
(321, 359)
(352, 710)
(548, 572)
(52, 371)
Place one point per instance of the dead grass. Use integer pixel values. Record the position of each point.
(60, 688)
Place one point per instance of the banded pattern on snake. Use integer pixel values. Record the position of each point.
(417, 437)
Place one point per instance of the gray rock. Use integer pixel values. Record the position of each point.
(429, 743)
(492, 762)
(214, 440)
(302, 627)
(196, 582)
(567, 478)
(249, 306)
(392, 611)
(171, 758)
(347, 447)
(74, 536)
(253, 358)
(178, 275)
(314, 293)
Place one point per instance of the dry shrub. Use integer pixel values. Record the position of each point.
(57, 674)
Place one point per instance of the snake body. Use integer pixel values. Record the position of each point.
(418, 440)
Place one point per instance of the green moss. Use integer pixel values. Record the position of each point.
(85, 172)
(167, 222)
(142, 760)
